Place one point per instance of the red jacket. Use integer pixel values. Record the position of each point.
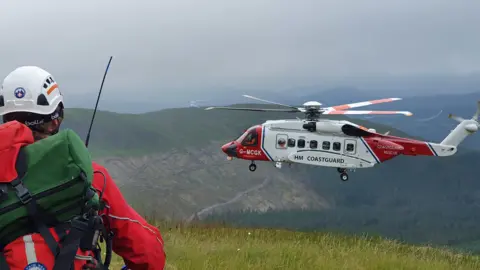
(137, 242)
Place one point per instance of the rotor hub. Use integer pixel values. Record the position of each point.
(312, 104)
(313, 109)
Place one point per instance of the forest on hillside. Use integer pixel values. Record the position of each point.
(413, 199)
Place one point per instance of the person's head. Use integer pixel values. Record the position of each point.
(31, 96)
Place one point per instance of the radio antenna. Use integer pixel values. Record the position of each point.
(96, 105)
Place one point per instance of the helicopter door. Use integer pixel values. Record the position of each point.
(350, 147)
(281, 142)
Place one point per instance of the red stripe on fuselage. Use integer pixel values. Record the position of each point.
(387, 147)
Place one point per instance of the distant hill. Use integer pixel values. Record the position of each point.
(323, 90)
(136, 134)
(173, 159)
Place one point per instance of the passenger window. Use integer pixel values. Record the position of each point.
(301, 143)
(337, 146)
(281, 143)
(350, 147)
(251, 139)
(326, 145)
(291, 142)
(313, 144)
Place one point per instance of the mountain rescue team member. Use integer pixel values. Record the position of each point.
(31, 96)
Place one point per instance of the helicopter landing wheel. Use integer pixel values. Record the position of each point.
(341, 170)
(252, 167)
(344, 176)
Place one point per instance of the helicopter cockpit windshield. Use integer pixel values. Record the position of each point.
(249, 138)
(242, 136)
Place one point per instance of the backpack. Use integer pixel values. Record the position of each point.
(48, 183)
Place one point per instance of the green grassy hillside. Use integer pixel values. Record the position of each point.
(183, 172)
(226, 248)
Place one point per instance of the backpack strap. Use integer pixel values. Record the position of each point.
(30, 203)
(3, 262)
(3, 192)
(83, 234)
(108, 237)
(108, 246)
(66, 256)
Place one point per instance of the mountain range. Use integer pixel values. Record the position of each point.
(326, 90)
(430, 109)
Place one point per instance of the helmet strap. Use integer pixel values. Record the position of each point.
(41, 125)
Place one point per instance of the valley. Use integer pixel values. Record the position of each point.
(169, 165)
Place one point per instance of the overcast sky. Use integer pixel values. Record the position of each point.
(179, 47)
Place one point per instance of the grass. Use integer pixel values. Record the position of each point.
(233, 248)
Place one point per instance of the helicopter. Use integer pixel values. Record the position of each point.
(338, 144)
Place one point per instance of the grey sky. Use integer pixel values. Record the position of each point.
(179, 47)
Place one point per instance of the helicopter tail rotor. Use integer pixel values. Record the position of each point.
(464, 128)
(461, 119)
(456, 118)
(477, 113)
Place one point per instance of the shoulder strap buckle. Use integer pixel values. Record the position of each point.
(22, 192)
(3, 192)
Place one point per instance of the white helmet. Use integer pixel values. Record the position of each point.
(29, 89)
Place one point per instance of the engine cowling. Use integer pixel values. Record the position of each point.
(324, 127)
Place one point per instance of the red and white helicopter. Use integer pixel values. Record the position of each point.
(334, 143)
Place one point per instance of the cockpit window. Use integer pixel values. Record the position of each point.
(251, 139)
(242, 136)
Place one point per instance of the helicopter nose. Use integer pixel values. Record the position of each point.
(230, 149)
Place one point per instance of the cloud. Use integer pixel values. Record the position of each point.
(172, 48)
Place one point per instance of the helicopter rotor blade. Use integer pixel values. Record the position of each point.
(362, 103)
(477, 113)
(267, 101)
(369, 112)
(253, 109)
